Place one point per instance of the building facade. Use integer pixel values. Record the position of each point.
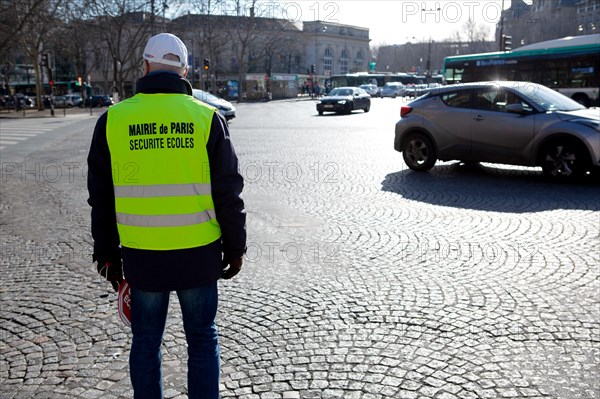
(588, 17)
(258, 55)
(547, 19)
(335, 48)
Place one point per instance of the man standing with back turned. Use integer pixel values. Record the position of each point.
(165, 195)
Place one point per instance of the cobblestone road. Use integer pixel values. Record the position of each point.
(362, 279)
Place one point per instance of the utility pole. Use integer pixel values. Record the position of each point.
(501, 37)
(151, 17)
(46, 64)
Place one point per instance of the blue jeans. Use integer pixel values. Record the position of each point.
(148, 319)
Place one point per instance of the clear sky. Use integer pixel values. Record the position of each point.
(399, 21)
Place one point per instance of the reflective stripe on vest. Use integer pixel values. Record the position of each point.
(161, 190)
(161, 173)
(165, 220)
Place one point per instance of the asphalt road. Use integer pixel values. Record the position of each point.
(363, 279)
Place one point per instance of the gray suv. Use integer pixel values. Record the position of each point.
(518, 123)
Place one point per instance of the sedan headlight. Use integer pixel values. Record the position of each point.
(319, 102)
(341, 102)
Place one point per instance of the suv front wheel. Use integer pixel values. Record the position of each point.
(564, 158)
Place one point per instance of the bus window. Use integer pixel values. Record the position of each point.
(454, 75)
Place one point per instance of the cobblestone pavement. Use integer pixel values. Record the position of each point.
(362, 279)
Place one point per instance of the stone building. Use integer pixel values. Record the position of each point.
(336, 48)
(547, 19)
(263, 57)
(588, 17)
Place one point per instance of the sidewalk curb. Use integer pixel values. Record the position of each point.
(58, 113)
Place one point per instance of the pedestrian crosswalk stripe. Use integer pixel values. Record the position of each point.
(18, 132)
(26, 130)
(13, 137)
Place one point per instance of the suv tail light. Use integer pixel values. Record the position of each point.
(405, 110)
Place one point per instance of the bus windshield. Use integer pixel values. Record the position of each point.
(569, 65)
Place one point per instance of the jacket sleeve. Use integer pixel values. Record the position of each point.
(102, 197)
(227, 185)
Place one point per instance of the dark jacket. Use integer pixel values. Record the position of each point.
(151, 270)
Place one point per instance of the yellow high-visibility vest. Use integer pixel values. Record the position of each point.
(161, 172)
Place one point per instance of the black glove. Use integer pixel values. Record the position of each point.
(111, 271)
(231, 266)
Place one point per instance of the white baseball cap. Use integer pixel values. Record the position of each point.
(165, 43)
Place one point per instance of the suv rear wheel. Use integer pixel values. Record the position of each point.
(418, 152)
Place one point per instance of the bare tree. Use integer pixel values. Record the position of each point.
(33, 36)
(205, 34)
(122, 27)
(15, 14)
(259, 38)
(244, 34)
(476, 36)
(73, 44)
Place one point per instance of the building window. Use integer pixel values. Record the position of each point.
(328, 62)
(344, 61)
(359, 63)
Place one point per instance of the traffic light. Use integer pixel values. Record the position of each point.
(206, 64)
(79, 81)
(44, 62)
(313, 69)
(506, 43)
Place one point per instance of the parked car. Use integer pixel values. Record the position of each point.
(224, 107)
(23, 101)
(416, 90)
(99, 101)
(372, 89)
(62, 102)
(344, 100)
(392, 89)
(518, 123)
(75, 99)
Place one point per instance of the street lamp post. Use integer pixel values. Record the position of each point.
(429, 50)
(429, 61)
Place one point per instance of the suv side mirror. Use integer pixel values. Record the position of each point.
(516, 108)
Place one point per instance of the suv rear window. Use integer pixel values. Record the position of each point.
(457, 99)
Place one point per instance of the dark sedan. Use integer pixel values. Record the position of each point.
(99, 101)
(343, 100)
